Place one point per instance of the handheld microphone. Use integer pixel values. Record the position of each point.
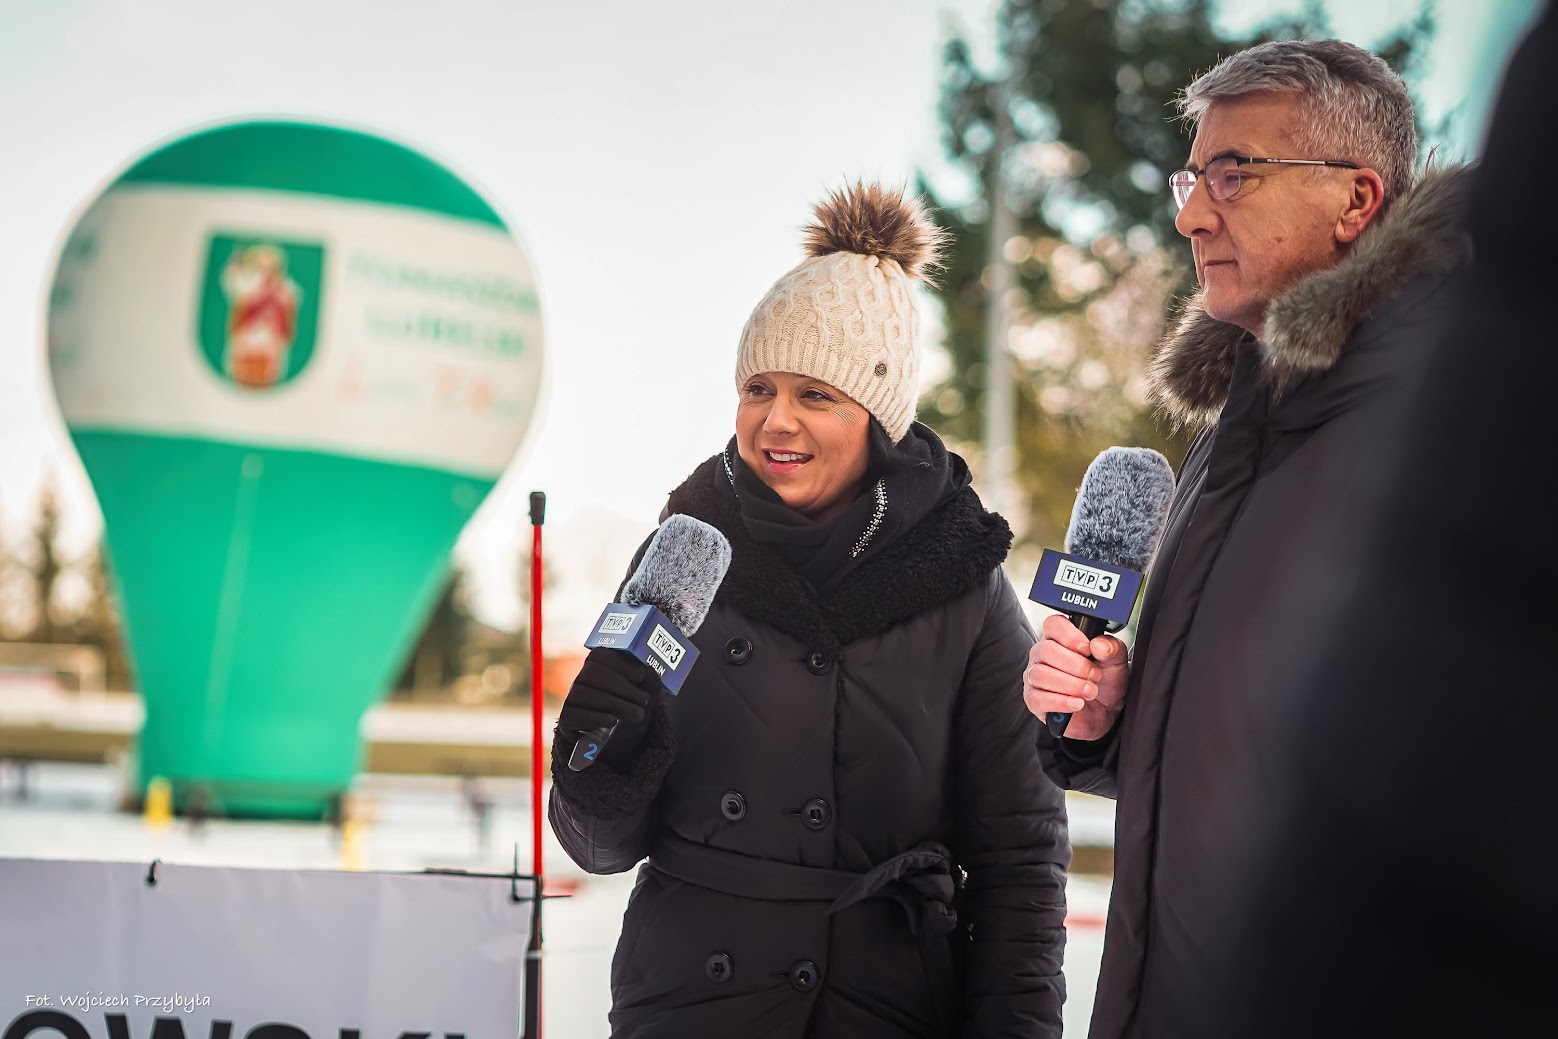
(1116, 524)
(663, 605)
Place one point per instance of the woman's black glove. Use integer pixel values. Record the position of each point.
(612, 687)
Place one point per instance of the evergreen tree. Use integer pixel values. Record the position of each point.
(45, 565)
(437, 657)
(11, 596)
(98, 622)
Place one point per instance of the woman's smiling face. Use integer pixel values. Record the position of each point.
(805, 439)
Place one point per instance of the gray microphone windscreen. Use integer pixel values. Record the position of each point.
(1122, 507)
(681, 570)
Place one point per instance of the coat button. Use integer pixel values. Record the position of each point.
(818, 662)
(738, 650)
(733, 806)
(816, 814)
(717, 967)
(804, 975)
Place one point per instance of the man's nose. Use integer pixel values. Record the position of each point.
(1198, 216)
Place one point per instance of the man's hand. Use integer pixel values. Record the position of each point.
(1069, 675)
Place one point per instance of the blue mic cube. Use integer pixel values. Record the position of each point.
(650, 637)
(1075, 585)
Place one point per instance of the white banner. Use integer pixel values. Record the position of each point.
(88, 950)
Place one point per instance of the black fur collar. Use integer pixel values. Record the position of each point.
(941, 557)
(1309, 324)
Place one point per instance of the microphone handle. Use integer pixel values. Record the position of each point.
(589, 746)
(591, 743)
(1092, 627)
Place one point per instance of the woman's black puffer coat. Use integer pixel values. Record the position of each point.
(810, 802)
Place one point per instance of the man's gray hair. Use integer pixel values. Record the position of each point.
(1355, 108)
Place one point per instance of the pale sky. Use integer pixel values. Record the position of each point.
(656, 161)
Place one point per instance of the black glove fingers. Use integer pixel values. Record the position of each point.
(612, 687)
(628, 667)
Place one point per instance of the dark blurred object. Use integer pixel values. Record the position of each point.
(1406, 886)
(479, 800)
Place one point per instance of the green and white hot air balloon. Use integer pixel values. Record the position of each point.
(294, 360)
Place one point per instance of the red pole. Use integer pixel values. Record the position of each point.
(539, 762)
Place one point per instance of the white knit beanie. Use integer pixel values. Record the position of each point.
(847, 314)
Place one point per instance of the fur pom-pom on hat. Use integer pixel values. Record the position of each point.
(847, 313)
(871, 220)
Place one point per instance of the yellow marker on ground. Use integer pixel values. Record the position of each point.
(352, 826)
(157, 812)
(351, 845)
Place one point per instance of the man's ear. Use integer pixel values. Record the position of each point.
(1366, 193)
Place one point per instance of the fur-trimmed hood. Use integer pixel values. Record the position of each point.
(1308, 326)
(952, 550)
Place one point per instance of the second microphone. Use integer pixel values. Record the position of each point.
(644, 642)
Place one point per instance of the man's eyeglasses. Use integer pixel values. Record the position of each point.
(1225, 179)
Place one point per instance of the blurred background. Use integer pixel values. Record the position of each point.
(652, 164)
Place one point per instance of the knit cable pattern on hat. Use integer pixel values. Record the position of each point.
(849, 316)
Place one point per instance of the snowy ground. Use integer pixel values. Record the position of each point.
(419, 822)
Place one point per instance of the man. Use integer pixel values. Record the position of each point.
(1320, 260)
(1439, 916)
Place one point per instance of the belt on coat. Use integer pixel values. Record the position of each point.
(921, 881)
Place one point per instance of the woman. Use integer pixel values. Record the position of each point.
(854, 737)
